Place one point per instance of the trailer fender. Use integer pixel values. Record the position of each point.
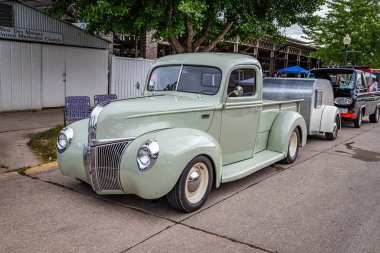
(329, 115)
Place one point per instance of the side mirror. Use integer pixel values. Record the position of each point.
(238, 91)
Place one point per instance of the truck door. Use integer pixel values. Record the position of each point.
(370, 97)
(240, 115)
(361, 92)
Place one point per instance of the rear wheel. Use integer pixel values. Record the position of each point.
(358, 120)
(374, 117)
(193, 186)
(332, 136)
(293, 147)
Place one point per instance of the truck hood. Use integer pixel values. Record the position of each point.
(131, 118)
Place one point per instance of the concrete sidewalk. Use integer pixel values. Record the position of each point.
(327, 201)
(15, 131)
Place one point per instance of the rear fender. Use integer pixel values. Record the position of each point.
(282, 128)
(177, 147)
(328, 119)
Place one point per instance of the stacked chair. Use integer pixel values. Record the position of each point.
(78, 107)
(98, 99)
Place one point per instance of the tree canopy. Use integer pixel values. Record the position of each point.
(189, 24)
(357, 18)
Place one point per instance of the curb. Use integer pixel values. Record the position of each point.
(8, 174)
(41, 168)
(31, 170)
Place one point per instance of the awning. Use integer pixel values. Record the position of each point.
(293, 70)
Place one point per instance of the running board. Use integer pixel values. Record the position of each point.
(244, 168)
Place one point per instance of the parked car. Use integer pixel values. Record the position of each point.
(317, 108)
(194, 128)
(352, 94)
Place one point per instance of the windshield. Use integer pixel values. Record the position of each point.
(193, 79)
(344, 80)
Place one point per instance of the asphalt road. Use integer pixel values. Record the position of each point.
(328, 201)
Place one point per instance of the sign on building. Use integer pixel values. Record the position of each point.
(30, 35)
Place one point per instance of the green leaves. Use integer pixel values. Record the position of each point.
(359, 19)
(187, 24)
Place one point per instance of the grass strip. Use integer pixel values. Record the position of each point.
(43, 144)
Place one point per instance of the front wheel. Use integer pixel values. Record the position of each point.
(374, 117)
(332, 136)
(358, 120)
(293, 147)
(193, 186)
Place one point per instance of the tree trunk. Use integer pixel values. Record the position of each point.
(220, 36)
(204, 36)
(173, 41)
(189, 38)
(176, 45)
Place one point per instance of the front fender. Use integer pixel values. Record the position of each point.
(178, 146)
(328, 119)
(282, 127)
(70, 162)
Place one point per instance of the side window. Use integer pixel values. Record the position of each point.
(246, 78)
(318, 99)
(364, 81)
(360, 84)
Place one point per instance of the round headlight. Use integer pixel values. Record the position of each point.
(343, 101)
(144, 156)
(64, 139)
(147, 155)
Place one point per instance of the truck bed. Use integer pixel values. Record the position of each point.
(271, 109)
(262, 156)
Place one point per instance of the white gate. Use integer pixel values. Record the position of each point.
(128, 76)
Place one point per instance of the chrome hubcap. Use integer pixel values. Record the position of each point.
(196, 183)
(293, 144)
(193, 181)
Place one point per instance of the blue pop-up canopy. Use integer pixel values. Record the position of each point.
(293, 70)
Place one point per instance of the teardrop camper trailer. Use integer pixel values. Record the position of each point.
(317, 107)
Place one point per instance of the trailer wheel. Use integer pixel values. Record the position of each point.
(293, 147)
(332, 136)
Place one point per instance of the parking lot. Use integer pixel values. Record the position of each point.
(327, 201)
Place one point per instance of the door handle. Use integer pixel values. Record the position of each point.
(205, 116)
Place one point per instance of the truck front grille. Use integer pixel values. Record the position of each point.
(103, 166)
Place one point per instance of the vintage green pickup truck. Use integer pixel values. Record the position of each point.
(201, 122)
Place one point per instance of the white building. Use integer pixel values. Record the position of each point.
(43, 60)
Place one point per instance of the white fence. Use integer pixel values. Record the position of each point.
(128, 76)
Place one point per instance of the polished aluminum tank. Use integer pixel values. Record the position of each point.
(299, 88)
